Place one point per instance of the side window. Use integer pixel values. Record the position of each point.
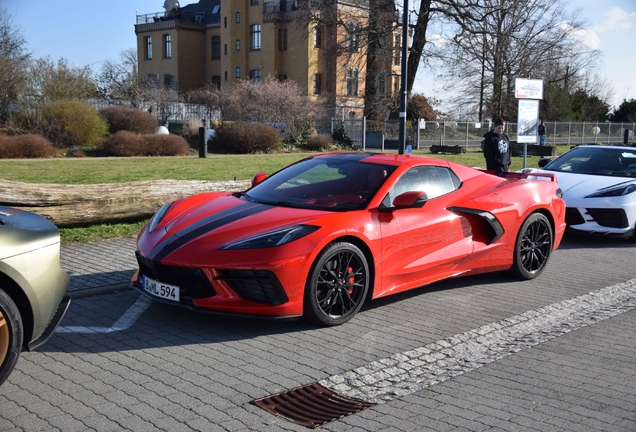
(435, 181)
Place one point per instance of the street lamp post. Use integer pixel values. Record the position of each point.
(405, 41)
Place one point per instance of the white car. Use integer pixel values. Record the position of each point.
(599, 185)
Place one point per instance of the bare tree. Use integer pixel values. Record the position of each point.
(117, 81)
(515, 38)
(48, 81)
(14, 59)
(281, 104)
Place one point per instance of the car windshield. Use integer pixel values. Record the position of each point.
(613, 162)
(333, 183)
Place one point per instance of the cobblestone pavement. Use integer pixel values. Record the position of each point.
(555, 353)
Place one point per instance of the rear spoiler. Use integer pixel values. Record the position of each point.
(524, 176)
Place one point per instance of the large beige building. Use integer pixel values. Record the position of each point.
(217, 42)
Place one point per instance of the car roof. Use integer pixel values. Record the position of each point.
(611, 147)
(383, 158)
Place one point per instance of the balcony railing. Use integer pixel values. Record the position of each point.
(198, 17)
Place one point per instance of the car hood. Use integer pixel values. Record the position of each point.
(219, 220)
(584, 184)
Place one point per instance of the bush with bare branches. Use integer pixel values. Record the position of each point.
(244, 138)
(28, 146)
(129, 119)
(124, 143)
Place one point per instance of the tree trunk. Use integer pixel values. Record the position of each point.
(82, 205)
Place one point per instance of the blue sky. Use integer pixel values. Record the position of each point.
(87, 32)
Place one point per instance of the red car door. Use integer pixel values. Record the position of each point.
(422, 245)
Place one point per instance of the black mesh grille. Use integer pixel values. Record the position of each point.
(614, 218)
(191, 281)
(573, 216)
(260, 286)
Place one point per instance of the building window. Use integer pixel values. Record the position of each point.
(253, 2)
(397, 45)
(255, 37)
(317, 84)
(167, 46)
(352, 82)
(353, 37)
(152, 79)
(282, 39)
(238, 45)
(282, 78)
(170, 82)
(317, 37)
(225, 49)
(225, 22)
(255, 75)
(216, 47)
(238, 72)
(148, 52)
(237, 17)
(381, 84)
(382, 43)
(216, 81)
(225, 76)
(396, 85)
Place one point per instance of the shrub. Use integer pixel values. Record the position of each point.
(68, 123)
(341, 138)
(165, 145)
(319, 143)
(129, 119)
(244, 138)
(125, 143)
(25, 146)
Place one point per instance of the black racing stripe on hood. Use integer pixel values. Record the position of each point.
(210, 223)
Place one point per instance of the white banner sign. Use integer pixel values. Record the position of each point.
(527, 121)
(528, 88)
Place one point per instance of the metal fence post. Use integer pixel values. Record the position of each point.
(583, 134)
(364, 133)
(466, 143)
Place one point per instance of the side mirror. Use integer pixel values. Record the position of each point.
(543, 162)
(412, 199)
(258, 177)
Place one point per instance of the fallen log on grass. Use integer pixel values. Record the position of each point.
(82, 205)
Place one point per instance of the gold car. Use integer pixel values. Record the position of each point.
(33, 297)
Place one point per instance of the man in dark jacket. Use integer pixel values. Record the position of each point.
(497, 150)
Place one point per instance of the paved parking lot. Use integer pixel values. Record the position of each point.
(490, 353)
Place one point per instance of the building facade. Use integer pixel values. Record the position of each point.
(218, 42)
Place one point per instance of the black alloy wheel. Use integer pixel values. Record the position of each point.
(10, 335)
(533, 247)
(337, 285)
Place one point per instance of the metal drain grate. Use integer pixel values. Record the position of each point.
(312, 405)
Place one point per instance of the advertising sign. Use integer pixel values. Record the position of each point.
(527, 121)
(528, 88)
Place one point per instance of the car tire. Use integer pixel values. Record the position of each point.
(11, 334)
(337, 285)
(533, 247)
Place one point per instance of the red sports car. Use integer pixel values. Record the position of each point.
(319, 236)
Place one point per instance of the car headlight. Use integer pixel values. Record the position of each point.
(158, 216)
(620, 190)
(273, 238)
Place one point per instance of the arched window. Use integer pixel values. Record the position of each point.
(238, 17)
(238, 72)
(238, 45)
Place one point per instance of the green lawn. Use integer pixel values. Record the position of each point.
(213, 168)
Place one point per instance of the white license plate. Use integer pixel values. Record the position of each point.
(162, 290)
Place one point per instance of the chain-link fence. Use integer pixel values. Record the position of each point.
(423, 134)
